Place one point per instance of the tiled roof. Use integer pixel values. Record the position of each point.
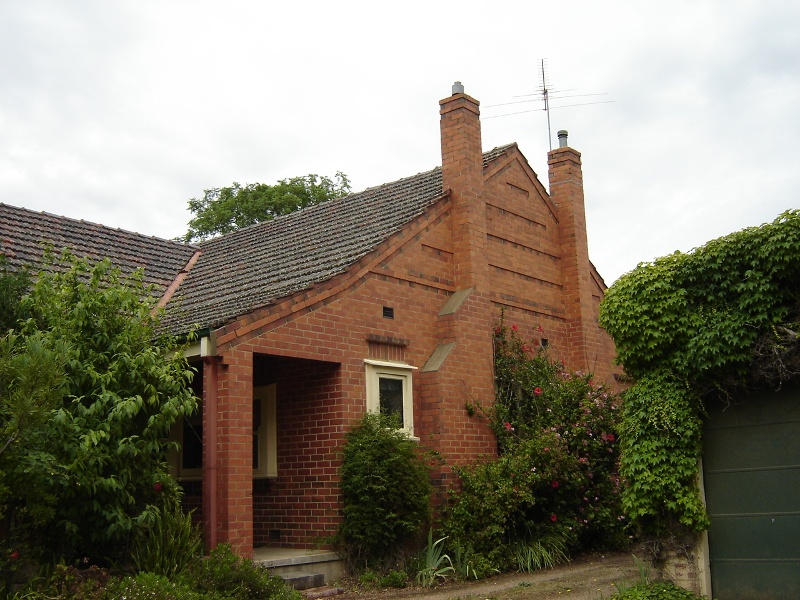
(495, 153)
(23, 234)
(252, 267)
(244, 270)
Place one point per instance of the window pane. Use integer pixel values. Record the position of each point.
(192, 443)
(391, 396)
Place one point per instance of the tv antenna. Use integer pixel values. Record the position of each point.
(545, 94)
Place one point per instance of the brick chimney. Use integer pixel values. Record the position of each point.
(566, 191)
(462, 175)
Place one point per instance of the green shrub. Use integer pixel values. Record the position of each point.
(149, 586)
(169, 543)
(234, 578)
(395, 578)
(660, 590)
(385, 490)
(555, 484)
(499, 502)
(96, 463)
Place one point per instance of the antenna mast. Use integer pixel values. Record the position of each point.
(546, 98)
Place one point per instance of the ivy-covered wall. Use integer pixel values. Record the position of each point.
(689, 326)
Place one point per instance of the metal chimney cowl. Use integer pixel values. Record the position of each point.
(458, 88)
(562, 138)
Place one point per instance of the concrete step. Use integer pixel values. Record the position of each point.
(283, 562)
(303, 581)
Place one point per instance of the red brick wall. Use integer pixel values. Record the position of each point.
(302, 503)
(501, 241)
(235, 455)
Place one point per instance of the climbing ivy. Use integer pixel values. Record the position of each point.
(688, 326)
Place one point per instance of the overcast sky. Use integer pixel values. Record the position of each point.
(118, 112)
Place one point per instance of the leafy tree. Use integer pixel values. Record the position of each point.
(226, 209)
(100, 459)
(13, 285)
(32, 384)
(690, 326)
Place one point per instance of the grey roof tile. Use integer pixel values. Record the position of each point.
(253, 267)
(24, 234)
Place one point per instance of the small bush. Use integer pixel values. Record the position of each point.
(386, 492)
(660, 590)
(234, 578)
(394, 579)
(169, 544)
(148, 586)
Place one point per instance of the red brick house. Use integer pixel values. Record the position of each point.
(386, 297)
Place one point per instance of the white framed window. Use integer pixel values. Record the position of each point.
(265, 431)
(390, 390)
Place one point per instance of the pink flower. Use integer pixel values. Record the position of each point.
(537, 391)
(508, 426)
(553, 518)
(157, 486)
(514, 327)
(554, 484)
(14, 555)
(610, 437)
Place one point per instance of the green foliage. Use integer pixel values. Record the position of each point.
(13, 285)
(660, 590)
(700, 314)
(226, 575)
(385, 490)
(687, 325)
(169, 543)
(100, 457)
(394, 578)
(544, 550)
(661, 444)
(32, 383)
(149, 586)
(222, 210)
(220, 576)
(436, 565)
(557, 469)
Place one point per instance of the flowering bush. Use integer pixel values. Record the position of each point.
(558, 454)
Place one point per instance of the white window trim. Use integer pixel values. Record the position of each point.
(268, 431)
(374, 370)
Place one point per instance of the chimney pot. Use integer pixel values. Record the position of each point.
(562, 138)
(458, 88)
